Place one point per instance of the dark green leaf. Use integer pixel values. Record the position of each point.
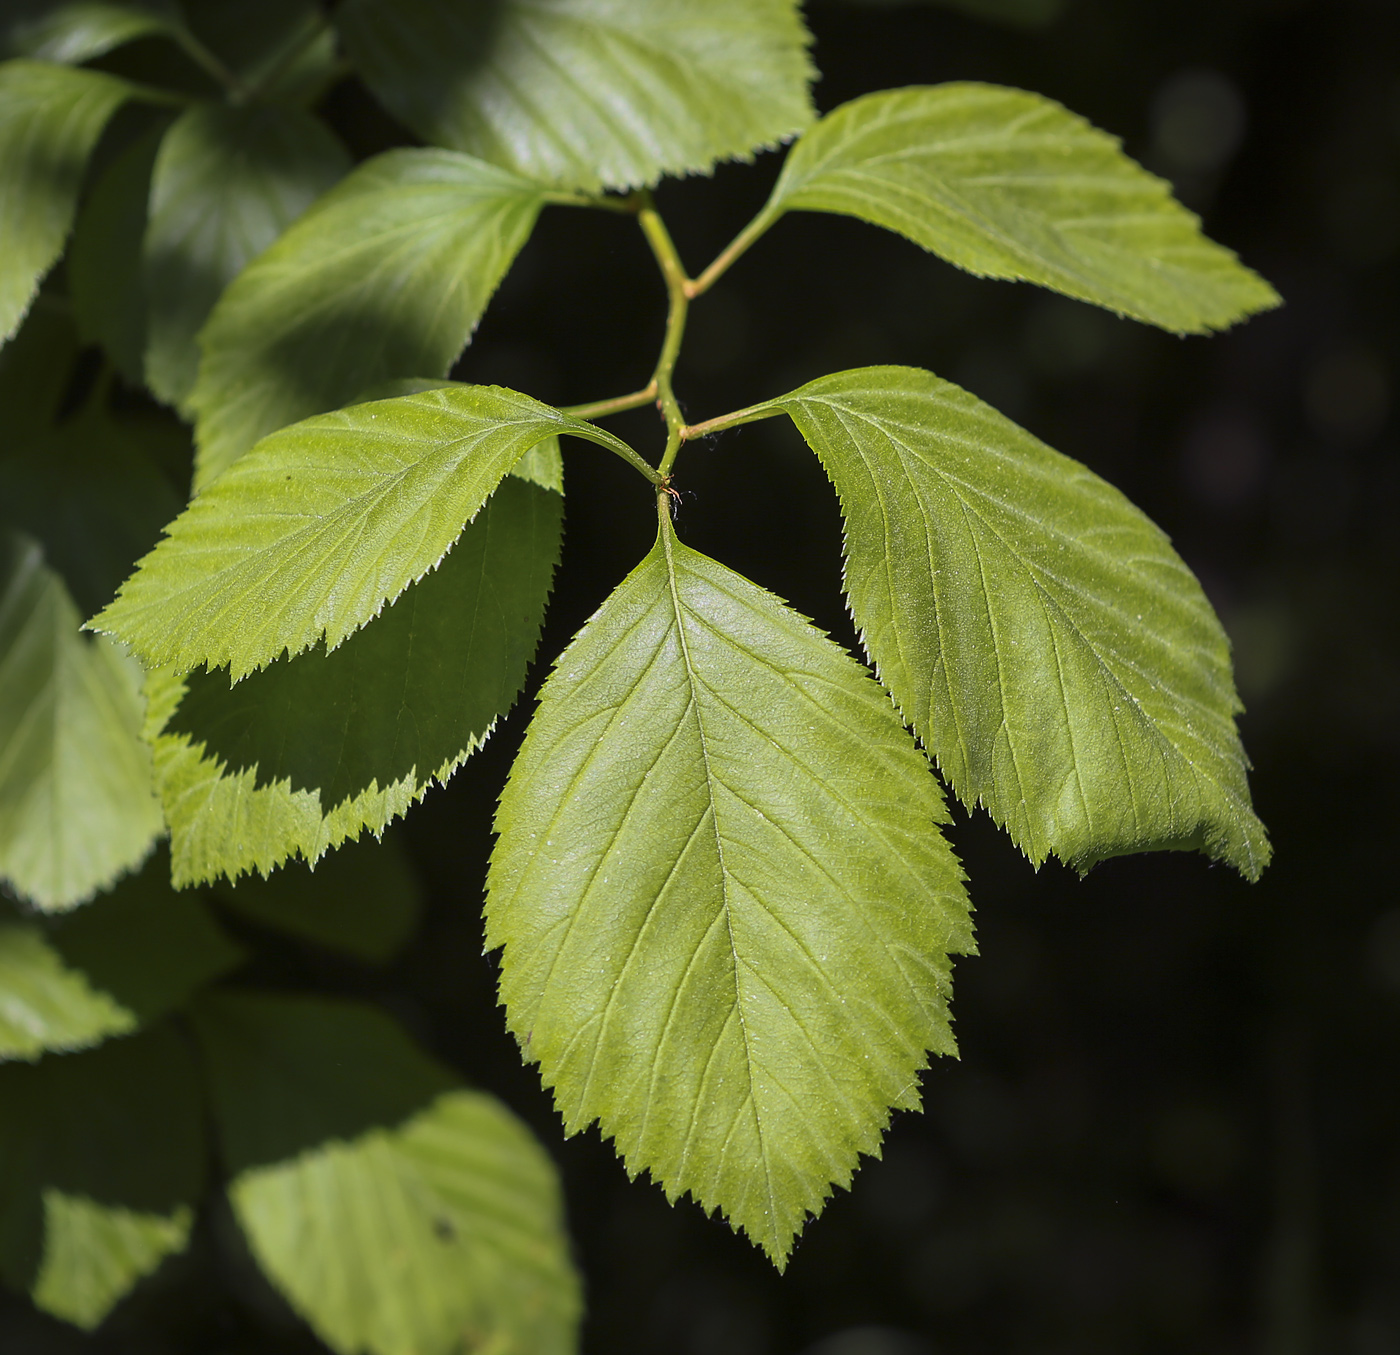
(35, 368)
(726, 906)
(309, 535)
(82, 29)
(308, 752)
(77, 808)
(227, 182)
(396, 1212)
(385, 277)
(588, 93)
(50, 119)
(1011, 185)
(101, 1160)
(1038, 632)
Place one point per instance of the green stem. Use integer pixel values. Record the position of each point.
(597, 409)
(209, 62)
(294, 50)
(722, 421)
(677, 284)
(730, 253)
(627, 206)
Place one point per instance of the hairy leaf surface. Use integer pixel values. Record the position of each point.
(1008, 184)
(77, 807)
(395, 1211)
(106, 969)
(310, 535)
(227, 182)
(101, 1160)
(1039, 633)
(310, 751)
(588, 93)
(50, 119)
(384, 277)
(726, 906)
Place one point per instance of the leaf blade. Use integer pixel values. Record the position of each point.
(1037, 630)
(618, 94)
(1008, 184)
(703, 768)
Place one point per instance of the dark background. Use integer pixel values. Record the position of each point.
(1174, 1123)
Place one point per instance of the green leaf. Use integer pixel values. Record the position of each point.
(1008, 184)
(310, 534)
(101, 1161)
(77, 32)
(227, 182)
(50, 119)
(35, 369)
(726, 906)
(1038, 632)
(394, 1211)
(76, 802)
(302, 755)
(588, 93)
(364, 900)
(104, 260)
(107, 969)
(386, 276)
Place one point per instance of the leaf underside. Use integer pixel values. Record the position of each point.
(77, 808)
(384, 277)
(50, 119)
(395, 1211)
(725, 904)
(1008, 184)
(1039, 633)
(588, 93)
(309, 752)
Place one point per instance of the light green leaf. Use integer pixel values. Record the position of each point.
(396, 1212)
(77, 32)
(302, 755)
(77, 808)
(1008, 184)
(726, 906)
(386, 276)
(1038, 632)
(364, 900)
(107, 969)
(101, 1160)
(50, 119)
(588, 93)
(227, 182)
(309, 535)
(104, 260)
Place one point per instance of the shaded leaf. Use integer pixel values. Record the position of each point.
(77, 808)
(1038, 632)
(726, 906)
(363, 900)
(310, 751)
(227, 182)
(106, 969)
(50, 119)
(78, 31)
(1008, 184)
(588, 93)
(101, 1161)
(309, 535)
(35, 368)
(395, 1212)
(386, 276)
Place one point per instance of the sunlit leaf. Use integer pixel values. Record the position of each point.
(101, 1160)
(313, 750)
(106, 969)
(83, 29)
(226, 183)
(726, 905)
(50, 119)
(77, 808)
(386, 276)
(395, 1211)
(1008, 184)
(588, 93)
(1039, 633)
